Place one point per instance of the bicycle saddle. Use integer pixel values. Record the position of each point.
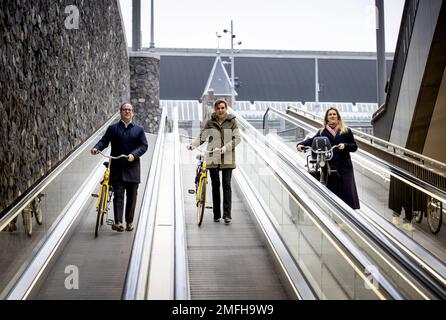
(105, 163)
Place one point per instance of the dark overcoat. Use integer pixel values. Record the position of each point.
(130, 140)
(343, 183)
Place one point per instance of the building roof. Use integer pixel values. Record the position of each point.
(218, 80)
(270, 76)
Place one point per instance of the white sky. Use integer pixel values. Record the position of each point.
(331, 25)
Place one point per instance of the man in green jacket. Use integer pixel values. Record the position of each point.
(222, 133)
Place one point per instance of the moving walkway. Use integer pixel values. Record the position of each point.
(290, 239)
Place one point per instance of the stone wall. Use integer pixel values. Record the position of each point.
(58, 84)
(145, 89)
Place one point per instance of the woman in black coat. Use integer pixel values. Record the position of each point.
(343, 183)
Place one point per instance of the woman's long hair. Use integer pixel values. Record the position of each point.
(341, 124)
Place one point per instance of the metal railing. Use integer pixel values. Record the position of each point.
(24, 283)
(346, 245)
(399, 62)
(136, 281)
(422, 160)
(438, 272)
(9, 214)
(434, 279)
(181, 273)
(422, 170)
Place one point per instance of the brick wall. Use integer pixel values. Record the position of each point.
(58, 84)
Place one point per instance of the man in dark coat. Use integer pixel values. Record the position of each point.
(343, 183)
(128, 138)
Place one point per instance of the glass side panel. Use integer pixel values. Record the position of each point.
(329, 267)
(17, 245)
(411, 211)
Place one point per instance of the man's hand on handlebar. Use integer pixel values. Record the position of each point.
(341, 146)
(190, 147)
(94, 151)
(300, 148)
(130, 157)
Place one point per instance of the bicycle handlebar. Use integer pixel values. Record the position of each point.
(320, 151)
(198, 148)
(204, 151)
(201, 150)
(111, 157)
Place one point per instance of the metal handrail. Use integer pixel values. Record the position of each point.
(298, 283)
(434, 281)
(395, 171)
(423, 274)
(181, 275)
(9, 214)
(338, 235)
(136, 284)
(24, 283)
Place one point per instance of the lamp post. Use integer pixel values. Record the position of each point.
(136, 25)
(232, 63)
(381, 73)
(152, 26)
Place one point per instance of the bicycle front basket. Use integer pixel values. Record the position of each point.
(321, 144)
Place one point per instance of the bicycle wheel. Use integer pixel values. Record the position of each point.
(100, 211)
(27, 221)
(201, 203)
(323, 175)
(434, 215)
(102, 217)
(418, 216)
(37, 209)
(110, 194)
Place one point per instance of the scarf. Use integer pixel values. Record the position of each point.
(333, 130)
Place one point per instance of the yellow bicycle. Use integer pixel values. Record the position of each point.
(105, 195)
(201, 180)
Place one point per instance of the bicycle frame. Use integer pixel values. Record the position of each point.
(105, 183)
(201, 171)
(201, 174)
(319, 167)
(104, 195)
(200, 185)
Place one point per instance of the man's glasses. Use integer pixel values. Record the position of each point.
(127, 110)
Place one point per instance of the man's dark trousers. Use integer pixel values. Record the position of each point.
(131, 189)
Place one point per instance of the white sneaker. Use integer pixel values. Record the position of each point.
(408, 226)
(396, 220)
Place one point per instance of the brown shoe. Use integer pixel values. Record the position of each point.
(118, 227)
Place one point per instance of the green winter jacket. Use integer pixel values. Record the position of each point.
(219, 135)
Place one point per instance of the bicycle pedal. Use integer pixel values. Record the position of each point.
(110, 222)
(191, 191)
(94, 195)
